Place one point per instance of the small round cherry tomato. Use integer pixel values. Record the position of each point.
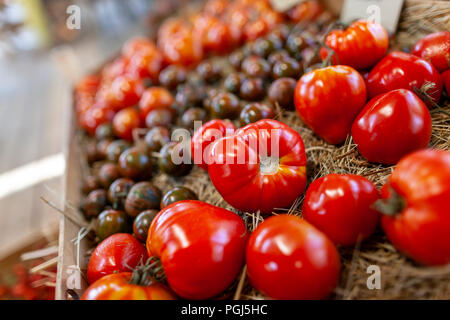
(119, 286)
(360, 46)
(225, 105)
(108, 173)
(177, 194)
(183, 48)
(434, 48)
(95, 116)
(111, 222)
(391, 126)
(134, 163)
(193, 115)
(205, 136)
(124, 92)
(142, 223)
(340, 205)
(142, 196)
(172, 160)
(115, 149)
(155, 98)
(254, 112)
(95, 202)
(329, 99)
(159, 118)
(190, 230)
(118, 191)
(156, 138)
(281, 92)
(146, 63)
(172, 76)
(288, 258)
(124, 123)
(117, 253)
(305, 11)
(252, 89)
(399, 70)
(416, 218)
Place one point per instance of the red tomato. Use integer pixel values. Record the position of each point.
(117, 253)
(255, 29)
(95, 116)
(446, 80)
(201, 247)
(125, 121)
(392, 125)
(237, 17)
(329, 99)
(114, 69)
(417, 219)
(147, 63)
(88, 85)
(360, 46)
(205, 136)
(435, 48)
(135, 45)
(340, 205)
(287, 258)
(124, 92)
(305, 11)
(399, 70)
(215, 34)
(261, 167)
(155, 98)
(182, 47)
(216, 7)
(118, 286)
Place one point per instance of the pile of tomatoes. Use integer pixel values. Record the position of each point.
(234, 66)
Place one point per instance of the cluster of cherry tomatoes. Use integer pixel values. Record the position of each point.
(155, 245)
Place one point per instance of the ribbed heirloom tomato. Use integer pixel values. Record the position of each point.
(201, 247)
(340, 205)
(117, 253)
(399, 70)
(261, 167)
(121, 286)
(434, 48)
(205, 136)
(392, 125)
(288, 258)
(360, 46)
(329, 99)
(416, 207)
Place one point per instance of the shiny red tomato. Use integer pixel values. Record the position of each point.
(95, 116)
(124, 91)
(305, 11)
(434, 48)
(360, 46)
(340, 205)
(287, 258)
(399, 70)
(214, 33)
(114, 69)
(147, 63)
(329, 99)
(391, 126)
(237, 17)
(446, 80)
(216, 7)
(182, 46)
(155, 98)
(117, 253)
(201, 247)
(124, 123)
(417, 219)
(205, 136)
(261, 167)
(120, 286)
(136, 45)
(255, 29)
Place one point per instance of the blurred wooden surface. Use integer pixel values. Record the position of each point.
(34, 91)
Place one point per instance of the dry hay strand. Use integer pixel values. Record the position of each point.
(401, 278)
(422, 17)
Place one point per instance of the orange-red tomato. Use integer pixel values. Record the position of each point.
(215, 34)
(117, 253)
(329, 99)
(305, 11)
(95, 116)
(147, 63)
(288, 258)
(416, 218)
(216, 7)
(124, 123)
(124, 91)
(340, 205)
(391, 126)
(260, 168)
(360, 46)
(434, 48)
(201, 247)
(205, 136)
(114, 69)
(118, 286)
(155, 98)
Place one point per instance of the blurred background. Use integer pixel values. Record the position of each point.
(45, 45)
